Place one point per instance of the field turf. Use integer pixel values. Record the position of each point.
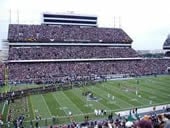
(113, 96)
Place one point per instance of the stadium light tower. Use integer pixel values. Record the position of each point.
(114, 22)
(9, 16)
(120, 22)
(17, 16)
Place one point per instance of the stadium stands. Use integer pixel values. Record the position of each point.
(64, 33)
(69, 52)
(167, 42)
(46, 72)
(77, 44)
(166, 46)
(2, 75)
(63, 53)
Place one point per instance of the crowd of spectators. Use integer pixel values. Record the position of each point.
(151, 120)
(55, 72)
(61, 72)
(65, 33)
(2, 73)
(69, 52)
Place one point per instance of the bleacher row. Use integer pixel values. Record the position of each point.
(69, 52)
(55, 72)
(65, 33)
(2, 73)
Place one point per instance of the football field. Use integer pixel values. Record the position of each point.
(112, 96)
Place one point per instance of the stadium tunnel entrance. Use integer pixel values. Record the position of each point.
(167, 54)
(168, 70)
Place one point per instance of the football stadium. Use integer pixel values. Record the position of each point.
(67, 72)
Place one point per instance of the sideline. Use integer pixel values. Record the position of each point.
(143, 110)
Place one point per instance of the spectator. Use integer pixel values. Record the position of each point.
(144, 124)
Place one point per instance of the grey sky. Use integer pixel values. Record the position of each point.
(146, 21)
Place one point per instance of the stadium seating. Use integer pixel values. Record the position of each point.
(69, 52)
(65, 71)
(2, 69)
(64, 33)
(71, 71)
(167, 41)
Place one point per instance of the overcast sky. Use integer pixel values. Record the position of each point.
(147, 22)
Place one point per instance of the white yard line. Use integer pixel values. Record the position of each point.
(120, 100)
(103, 104)
(59, 103)
(73, 104)
(130, 96)
(148, 90)
(32, 107)
(3, 108)
(46, 105)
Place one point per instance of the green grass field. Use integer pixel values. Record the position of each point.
(59, 103)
